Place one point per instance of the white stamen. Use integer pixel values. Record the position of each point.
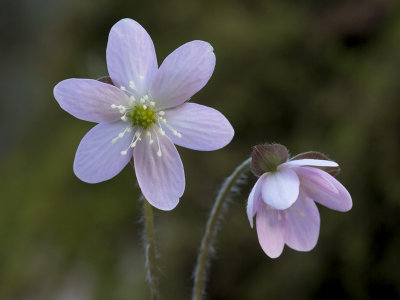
(174, 131)
(152, 103)
(123, 88)
(141, 77)
(146, 97)
(144, 106)
(124, 152)
(132, 100)
(159, 148)
(142, 100)
(113, 106)
(161, 112)
(131, 84)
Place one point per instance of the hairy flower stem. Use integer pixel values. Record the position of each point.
(150, 251)
(211, 230)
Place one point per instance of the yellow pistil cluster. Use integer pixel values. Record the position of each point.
(143, 116)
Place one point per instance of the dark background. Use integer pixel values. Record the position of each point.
(313, 75)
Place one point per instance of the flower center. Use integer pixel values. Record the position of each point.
(142, 116)
(145, 120)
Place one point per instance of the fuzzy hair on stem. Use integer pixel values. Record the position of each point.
(150, 250)
(229, 187)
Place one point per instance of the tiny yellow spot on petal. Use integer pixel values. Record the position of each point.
(300, 212)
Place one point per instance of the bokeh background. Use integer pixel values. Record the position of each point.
(313, 75)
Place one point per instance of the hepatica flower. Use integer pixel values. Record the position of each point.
(144, 113)
(283, 198)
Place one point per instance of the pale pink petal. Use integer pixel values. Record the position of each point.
(310, 162)
(270, 231)
(320, 179)
(318, 184)
(182, 74)
(302, 225)
(255, 199)
(89, 99)
(281, 188)
(131, 58)
(161, 178)
(198, 127)
(98, 158)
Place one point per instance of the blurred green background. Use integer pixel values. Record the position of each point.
(313, 75)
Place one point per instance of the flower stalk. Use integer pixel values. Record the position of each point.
(150, 250)
(211, 230)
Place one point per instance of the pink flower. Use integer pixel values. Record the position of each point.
(283, 198)
(144, 113)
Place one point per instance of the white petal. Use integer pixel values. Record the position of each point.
(89, 99)
(270, 231)
(324, 189)
(281, 188)
(302, 225)
(182, 74)
(310, 162)
(161, 178)
(131, 58)
(201, 127)
(255, 199)
(98, 158)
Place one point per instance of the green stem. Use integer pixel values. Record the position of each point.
(211, 229)
(150, 250)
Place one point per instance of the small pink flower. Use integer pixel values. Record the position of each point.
(144, 113)
(283, 197)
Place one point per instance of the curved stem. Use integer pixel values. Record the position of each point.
(211, 229)
(150, 250)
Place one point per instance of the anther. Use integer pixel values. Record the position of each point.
(161, 112)
(159, 153)
(141, 77)
(123, 88)
(152, 103)
(132, 84)
(124, 152)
